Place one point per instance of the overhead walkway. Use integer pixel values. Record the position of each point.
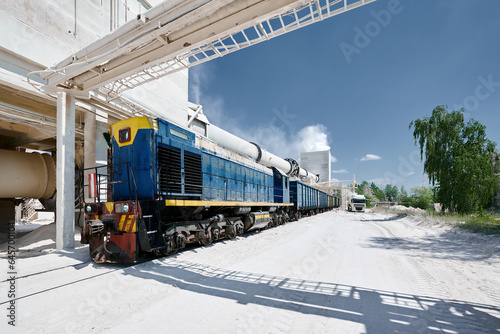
(180, 34)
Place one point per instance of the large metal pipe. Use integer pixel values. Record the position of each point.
(238, 145)
(27, 175)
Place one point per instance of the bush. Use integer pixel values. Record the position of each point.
(421, 197)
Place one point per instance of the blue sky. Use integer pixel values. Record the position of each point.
(327, 86)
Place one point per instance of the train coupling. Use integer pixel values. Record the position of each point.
(109, 251)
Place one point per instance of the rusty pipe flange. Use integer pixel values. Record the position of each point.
(260, 152)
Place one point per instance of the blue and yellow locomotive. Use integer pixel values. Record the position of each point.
(168, 187)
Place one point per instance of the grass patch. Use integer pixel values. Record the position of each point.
(485, 224)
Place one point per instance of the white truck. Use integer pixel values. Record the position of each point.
(356, 202)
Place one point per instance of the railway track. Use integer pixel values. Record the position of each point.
(42, 277)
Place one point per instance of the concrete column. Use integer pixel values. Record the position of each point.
(19, 213)
(344, 198)
(89, 149)
(65, 211)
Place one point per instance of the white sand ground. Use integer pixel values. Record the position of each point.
(336, 272)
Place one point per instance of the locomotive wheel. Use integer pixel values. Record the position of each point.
(172, 252)
(207, 240)
(164, 252)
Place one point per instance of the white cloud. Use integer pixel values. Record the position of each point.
(370, 157)
(340, 171)
(312, 138)
(198, 77)
(286, 144)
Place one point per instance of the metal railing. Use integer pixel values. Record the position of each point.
(103, 181)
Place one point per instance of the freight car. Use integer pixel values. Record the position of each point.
(169, 186)
(308, 200)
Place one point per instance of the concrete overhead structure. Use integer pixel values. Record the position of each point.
(319, 162)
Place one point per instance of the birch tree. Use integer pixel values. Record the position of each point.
(458, 159)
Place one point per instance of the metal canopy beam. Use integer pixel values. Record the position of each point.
(180, 34)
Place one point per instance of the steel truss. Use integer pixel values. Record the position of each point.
(268, 28)
(157, 49)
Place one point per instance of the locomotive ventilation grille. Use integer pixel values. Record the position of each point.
(193, 177)
(169, 166)
(170, 176)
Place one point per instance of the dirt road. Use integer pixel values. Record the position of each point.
(336, 272)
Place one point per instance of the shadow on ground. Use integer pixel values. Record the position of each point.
(396, 217)
(378, 311)
(448, 245)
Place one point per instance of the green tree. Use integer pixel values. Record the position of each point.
(459, 159)
(377, 192)
(421, 197)
(363, 188)
(402, 194)
(391, 192)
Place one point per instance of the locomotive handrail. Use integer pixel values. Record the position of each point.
(108, 179)
(133, 179)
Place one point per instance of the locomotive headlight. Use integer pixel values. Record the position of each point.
(91, 209)
(122, 207)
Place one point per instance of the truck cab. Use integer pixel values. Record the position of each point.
(356, 203)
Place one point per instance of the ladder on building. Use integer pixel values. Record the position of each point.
(29, 207)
